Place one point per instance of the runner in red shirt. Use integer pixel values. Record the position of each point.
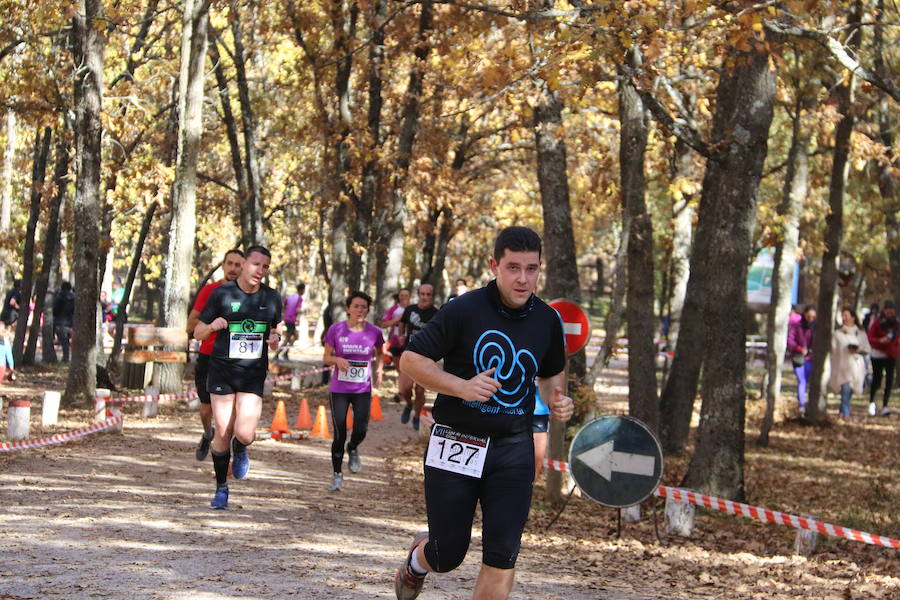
(231, 267)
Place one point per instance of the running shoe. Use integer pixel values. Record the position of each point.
(885, 411)
(220, 500)
(337, 482)
(203, 445)
(354, 462)
(404, 416)
(240, 464)
(416, 423)
(408, 585)
(872, 409)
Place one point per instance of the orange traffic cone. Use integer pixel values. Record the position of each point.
(303, 419)
(375, 411)
(279, 422)
(349, 418)
(320, 429)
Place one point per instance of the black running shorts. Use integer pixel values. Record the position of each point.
(290, 328)
(230, 379)
(201, 370)
(540, 423)
(504, 491)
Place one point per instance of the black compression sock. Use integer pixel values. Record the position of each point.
(220, 464)
(237, 446)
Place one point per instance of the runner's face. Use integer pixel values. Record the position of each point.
(358, 310)
(517, 276)
(403, 297)
(256, 266)
(426, 295)
(232, 266)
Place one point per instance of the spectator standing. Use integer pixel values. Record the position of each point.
(293, 305)
(884, 337)
(11, 303)
(849, 346)
(63, 317)
(799, 344)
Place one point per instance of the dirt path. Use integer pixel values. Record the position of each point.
(127, 516)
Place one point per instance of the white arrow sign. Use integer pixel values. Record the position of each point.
(572, 328)
(604, 460)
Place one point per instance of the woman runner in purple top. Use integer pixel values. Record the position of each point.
(350, 347)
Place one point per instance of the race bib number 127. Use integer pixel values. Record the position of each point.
(451, 450)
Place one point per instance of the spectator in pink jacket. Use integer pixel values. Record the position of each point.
(799, 345)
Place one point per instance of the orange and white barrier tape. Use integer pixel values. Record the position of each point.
(760, 514)
(61, 438)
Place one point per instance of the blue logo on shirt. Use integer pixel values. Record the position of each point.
(514, 369)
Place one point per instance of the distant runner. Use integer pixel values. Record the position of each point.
(231, 268)
(411, 323)
(251, 312)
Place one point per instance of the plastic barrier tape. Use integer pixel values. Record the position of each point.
(61, 438)
(760, 514)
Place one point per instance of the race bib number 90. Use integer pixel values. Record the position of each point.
(245, 345)
(461, 453)
(357, 373)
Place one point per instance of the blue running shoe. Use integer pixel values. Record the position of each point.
(404, 417)
(220, 500)
(416, 423)
(240, 464)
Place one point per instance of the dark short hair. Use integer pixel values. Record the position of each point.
(301, 287)
(258, 249)
(359, 294)
(461, 279)
(516, 239)
(233, 251)
(66, 286)
(808, 308)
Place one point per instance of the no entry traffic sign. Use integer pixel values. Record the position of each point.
(576, 325)
(616, 460)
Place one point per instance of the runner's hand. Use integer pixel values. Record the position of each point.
(561, 407)
(274, 340)
(341, 363)
(219, 323)
(481, 387)
(379, 374)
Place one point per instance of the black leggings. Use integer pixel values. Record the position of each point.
(339, 404)
(882, 367)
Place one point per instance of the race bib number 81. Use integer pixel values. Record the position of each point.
(245, 345)
(461, 453)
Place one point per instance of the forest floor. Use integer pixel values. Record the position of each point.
(127, 515)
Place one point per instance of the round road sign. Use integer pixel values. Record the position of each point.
(576, 325)
(616, 460)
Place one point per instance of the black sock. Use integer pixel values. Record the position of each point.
(237, 446)
(220, 464)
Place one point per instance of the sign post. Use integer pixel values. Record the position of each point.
(577, 331)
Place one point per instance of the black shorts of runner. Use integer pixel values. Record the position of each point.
(540, 423)
(201, 371)
(396, 352)
(504, 491)
(226, 379)
(290, 328)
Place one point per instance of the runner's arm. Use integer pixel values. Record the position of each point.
(193, 319)
(203, 331)
(331, 360)
(379, 363)
(429, 374)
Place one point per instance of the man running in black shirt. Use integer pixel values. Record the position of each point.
(494, 342)
(412, 322)
(247, 313)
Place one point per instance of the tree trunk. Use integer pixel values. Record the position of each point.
(9, 156)
(389, 266)
(683, 228)
(886, 184)
(796, 186)
(122, 314)
(51, 247)
(88, 58)
(834, 233)
(254, 204)
(744, 103)
(642, 399)
(179, 263)
(237, 164)
(38, 175)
